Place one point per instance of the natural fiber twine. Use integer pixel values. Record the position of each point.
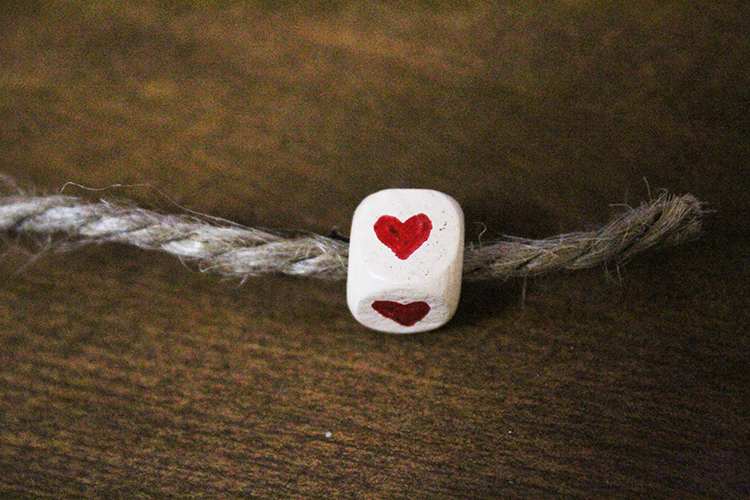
(219, 246)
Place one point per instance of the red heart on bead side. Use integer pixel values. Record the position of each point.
(403, 238)
(403, 314)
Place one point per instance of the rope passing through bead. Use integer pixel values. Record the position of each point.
(232, 250)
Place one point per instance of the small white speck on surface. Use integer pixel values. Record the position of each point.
(328, 434)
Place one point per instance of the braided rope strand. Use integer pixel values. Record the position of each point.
(232, 250)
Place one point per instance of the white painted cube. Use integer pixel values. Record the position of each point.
(405, 260)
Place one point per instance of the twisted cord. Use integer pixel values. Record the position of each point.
(232, 250)
(664, 221)
(216, 246)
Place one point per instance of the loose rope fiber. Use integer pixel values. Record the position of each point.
(232, 250)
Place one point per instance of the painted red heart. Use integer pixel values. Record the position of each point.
(403, 238)
(403, 314)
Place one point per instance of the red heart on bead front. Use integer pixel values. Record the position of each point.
(403, 238)
(403, 314)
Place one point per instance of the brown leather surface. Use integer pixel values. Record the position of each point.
(124, 374)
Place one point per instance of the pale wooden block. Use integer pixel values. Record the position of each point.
(405, 260)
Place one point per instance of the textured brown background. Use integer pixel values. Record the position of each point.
(124, 374)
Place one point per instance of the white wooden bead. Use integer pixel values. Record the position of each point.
(405, 260)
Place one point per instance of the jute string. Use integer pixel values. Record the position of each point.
(218, 246)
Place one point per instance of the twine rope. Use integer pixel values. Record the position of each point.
(219, 246)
